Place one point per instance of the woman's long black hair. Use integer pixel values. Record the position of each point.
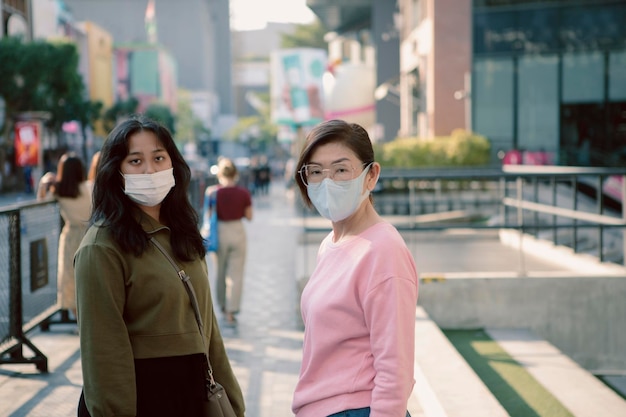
(73, 174)
(118, 212)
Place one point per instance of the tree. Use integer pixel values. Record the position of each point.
(185, 119)
(162, 113)
(258, 131)
(42, 76)
(306, 36)
(119, 110)
(189, 127)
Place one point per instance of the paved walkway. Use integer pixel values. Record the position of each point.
(265, 348)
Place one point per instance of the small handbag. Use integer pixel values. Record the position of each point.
(209, 222)
(217, 404)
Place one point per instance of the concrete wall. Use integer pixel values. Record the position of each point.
(585, 317)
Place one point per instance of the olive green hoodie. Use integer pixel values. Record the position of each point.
(137, 308)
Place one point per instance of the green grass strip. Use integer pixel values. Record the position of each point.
(516, 390)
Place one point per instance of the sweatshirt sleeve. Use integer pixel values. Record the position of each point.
(390, 314)
(106, 352)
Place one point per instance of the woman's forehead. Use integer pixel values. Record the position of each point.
(144, 141)
(332, 152)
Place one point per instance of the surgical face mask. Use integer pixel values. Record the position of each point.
(338, 200)
(149, 189)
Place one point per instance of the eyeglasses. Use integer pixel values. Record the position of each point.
(314, 174)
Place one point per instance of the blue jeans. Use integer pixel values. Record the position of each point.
(359, 412)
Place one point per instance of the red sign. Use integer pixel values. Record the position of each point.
(27, 142)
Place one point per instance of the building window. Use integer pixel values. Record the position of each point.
(583, 77)
(617, 76)
(538, 103)
(493, 101)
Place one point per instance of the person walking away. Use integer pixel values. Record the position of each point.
(142, 352)
(233, 203)
(358, 306)
(72, 191)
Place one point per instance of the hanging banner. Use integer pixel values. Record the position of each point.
(296, 86)
(27, 143)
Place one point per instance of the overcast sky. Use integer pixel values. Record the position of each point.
(254, 14)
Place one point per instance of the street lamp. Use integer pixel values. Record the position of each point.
(466, 94)
(385, 90)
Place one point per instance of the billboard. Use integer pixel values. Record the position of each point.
(27, 143)
(296, 86)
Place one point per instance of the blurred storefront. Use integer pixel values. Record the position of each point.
(551, 75)
(539, 76)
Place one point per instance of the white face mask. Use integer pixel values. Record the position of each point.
(338, 200)
(149, 189)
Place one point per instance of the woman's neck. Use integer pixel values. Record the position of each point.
(362, 219)
(227, 182)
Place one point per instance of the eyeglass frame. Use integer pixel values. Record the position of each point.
(303, 175)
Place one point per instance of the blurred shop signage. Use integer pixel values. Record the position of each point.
(296, 86)
(38, 264)
(27, 143)
(348, 91)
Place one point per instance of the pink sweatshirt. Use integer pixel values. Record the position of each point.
(359, 315)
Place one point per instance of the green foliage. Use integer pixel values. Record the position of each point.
(460, 149)
(119, 111)
(306, 36)
(43, 76)
(185, 119)
(162, 113)
(256, 130)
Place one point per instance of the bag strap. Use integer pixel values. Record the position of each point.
(192, 298)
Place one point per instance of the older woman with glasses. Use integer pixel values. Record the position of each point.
(358, 306)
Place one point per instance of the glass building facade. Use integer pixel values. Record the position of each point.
(551, 76)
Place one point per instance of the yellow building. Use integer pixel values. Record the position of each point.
(97, 62)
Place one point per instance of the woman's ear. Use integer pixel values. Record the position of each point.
(372, 176)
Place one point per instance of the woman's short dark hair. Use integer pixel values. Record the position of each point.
(351, 135)
(115, 209)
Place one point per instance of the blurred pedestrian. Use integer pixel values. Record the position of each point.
(233, 203)
(358, 305)
(72, 191)
(28, 179)
(263, 176)
(142, 351)
(93, 166)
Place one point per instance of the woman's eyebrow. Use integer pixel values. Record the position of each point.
(333, 162)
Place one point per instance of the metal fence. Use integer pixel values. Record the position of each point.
(29, 236)
(563, 204)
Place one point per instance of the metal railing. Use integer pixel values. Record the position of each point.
(555, 202)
